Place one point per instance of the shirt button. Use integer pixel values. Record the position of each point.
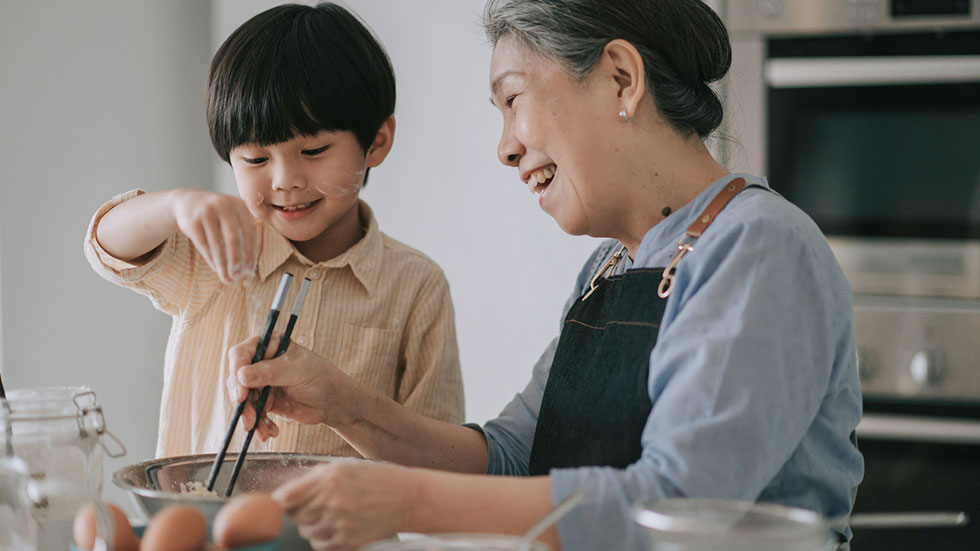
(301, 341)
(315, 274)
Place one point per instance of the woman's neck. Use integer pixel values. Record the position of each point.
(667, 177)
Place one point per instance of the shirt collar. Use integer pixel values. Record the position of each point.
(364, 258)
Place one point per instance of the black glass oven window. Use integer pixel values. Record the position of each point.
(930, 7)
(899, 161)
(916, 477)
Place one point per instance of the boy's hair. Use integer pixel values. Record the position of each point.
(298, 70)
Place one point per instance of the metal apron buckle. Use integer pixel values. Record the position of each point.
(594, 284)
(667, 281)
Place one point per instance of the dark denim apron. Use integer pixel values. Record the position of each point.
(596, 402)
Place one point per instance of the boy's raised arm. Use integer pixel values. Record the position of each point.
(220, 227)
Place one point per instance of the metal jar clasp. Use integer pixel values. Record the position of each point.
(91, 418)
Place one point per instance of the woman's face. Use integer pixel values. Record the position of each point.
(557, 132)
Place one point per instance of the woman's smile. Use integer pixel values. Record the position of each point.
(539, 179)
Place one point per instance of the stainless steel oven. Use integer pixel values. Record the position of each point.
(866, 114)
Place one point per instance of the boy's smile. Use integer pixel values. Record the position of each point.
(307, 188)
(297, 211)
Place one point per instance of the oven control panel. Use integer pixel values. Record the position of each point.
(811, 16)
(918, 348)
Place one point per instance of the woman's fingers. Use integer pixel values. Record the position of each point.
(267, 429)
(299, 491)
(240, 357)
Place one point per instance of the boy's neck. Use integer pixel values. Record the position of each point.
(336, 239)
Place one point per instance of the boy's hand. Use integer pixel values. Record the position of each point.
(222, 230)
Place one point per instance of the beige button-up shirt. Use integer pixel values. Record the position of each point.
(380, 311)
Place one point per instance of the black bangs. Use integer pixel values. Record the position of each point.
(298, 70)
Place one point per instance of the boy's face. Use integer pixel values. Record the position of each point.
(307, 187)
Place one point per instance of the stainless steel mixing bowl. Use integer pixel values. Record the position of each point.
(157, 483)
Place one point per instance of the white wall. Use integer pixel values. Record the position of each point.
(103, 96)
(443, 191)
(95, 98)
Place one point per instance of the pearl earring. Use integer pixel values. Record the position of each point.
(624, 117)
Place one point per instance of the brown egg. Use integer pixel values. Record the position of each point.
(83, 530)
(176, 528)
(247, 519)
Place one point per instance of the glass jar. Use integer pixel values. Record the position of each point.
(57, 432)
(17, 530)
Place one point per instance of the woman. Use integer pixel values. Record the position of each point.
(729, 374)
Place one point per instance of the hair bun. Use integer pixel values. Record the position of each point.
(708, 55)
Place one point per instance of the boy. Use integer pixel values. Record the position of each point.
(300, 102)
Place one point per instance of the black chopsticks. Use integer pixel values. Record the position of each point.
(270, 325)
(260, 404)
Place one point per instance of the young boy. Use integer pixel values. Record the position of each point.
(300, 102)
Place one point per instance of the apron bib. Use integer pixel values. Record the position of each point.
(596, 403)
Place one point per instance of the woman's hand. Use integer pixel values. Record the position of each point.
(221, 229)
(305, 387)
(344, 505)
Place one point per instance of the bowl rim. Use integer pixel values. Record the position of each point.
(117, 476)
(392, 544)
(656, 515)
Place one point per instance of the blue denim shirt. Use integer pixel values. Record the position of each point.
(753, 380)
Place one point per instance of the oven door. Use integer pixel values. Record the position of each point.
(879, 148)
(919, 463)
(876, 138)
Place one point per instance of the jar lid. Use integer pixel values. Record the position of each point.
(59, 401)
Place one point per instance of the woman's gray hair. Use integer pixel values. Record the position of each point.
(684, 46)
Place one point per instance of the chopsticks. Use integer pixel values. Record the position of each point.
(260, 404)
(270, 324)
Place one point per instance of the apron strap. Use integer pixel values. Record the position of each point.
(695, 230)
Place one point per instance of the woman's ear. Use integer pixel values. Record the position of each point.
(625, 64)
(382, 143)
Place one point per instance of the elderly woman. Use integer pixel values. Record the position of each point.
(707, 349)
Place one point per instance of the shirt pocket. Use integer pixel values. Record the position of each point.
(371, 355)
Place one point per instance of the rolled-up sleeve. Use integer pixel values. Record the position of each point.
(176, 279)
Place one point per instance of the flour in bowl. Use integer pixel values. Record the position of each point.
(196, 488)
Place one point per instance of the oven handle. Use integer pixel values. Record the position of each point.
(910, 428)
(822, 72)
